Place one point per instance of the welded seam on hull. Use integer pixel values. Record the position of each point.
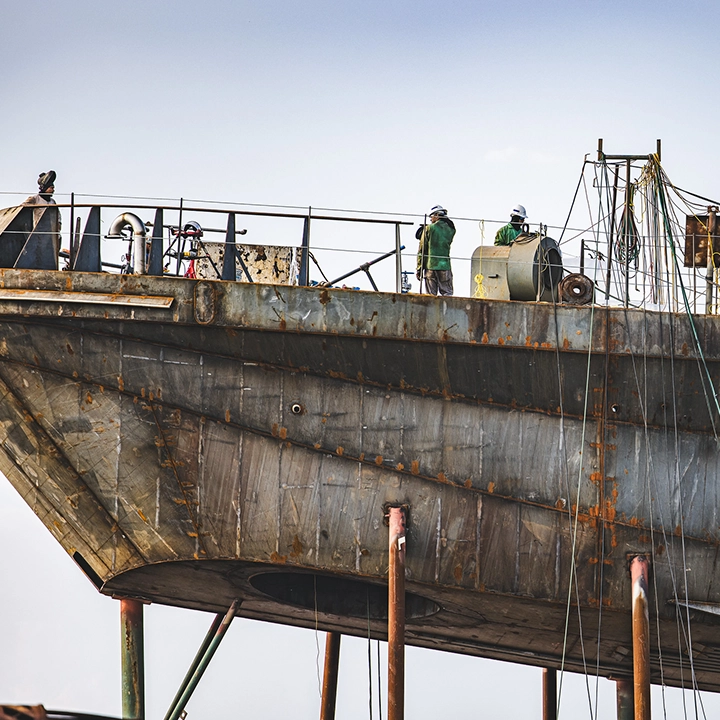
(372, 383)
(173, 465)
(278, 433)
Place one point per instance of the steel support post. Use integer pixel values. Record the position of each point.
(710, 274)
(132, 659)
(639, 571)
(549, 690)
(330, 676)
(625, 700)
(201, 662)
(396, 615)
(398, 261)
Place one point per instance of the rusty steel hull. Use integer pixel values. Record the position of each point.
(192, 442)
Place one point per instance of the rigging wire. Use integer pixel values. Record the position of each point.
(683, 629)
(572, 204)
(573, 521)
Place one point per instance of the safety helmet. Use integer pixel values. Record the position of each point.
(519, 211)
(192, 229)
(437, 210)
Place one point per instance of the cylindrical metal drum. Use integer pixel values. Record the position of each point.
(534, 268)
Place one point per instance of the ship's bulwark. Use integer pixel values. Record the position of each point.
(244, 442)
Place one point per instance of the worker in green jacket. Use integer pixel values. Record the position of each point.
(433, 258)
(507, 234)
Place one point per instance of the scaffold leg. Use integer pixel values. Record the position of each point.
(132, 659)
(330, 676)
(549, 686)
(396, 616)
(639, 571)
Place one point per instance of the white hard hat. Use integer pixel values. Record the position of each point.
(437, 210)
(519, 210)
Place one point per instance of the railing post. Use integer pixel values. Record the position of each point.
(88, 257)
(304, 274)
(156, 245)
(396, 615)
(228, 270)
(639, 571)
(71, 248)
(398, 260)
(132, 659)
(330, 676)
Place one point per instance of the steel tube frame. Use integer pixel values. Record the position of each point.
(201, 662)
(396, 615)
(330, 676)
(549, 691)
(132, 659)
(639, 571)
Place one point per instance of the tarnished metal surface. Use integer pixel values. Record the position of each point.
(264, 263)
(698, 241)
(187, 453)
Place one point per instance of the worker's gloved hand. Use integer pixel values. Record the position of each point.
(418, 274)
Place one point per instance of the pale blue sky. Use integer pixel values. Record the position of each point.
(388, 106)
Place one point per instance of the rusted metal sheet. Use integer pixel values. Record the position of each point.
(186, 453)
(253, 263)
(698, 240)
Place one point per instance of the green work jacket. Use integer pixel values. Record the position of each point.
(506, 235)
(435, 241)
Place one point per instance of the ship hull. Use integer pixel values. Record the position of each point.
(192, 442)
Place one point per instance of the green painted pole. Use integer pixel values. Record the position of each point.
(191, 683)
(195, 663)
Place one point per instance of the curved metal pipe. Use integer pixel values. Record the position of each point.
(139, 233)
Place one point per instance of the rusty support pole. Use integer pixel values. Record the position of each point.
(396, 615)
(639, 571)
(330, 676)
(549, 690)
(625, 699)
(132, 659)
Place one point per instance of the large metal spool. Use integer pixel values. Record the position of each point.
(534, 268)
